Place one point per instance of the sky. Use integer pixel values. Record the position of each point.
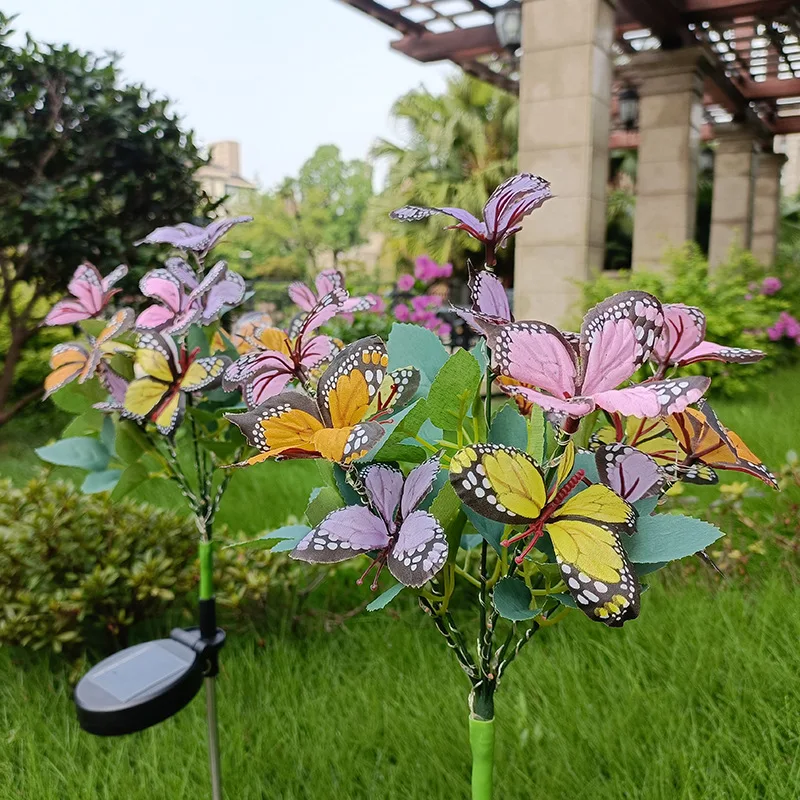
(279, 76)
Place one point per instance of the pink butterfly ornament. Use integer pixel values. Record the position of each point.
(503, 212)
(683, 341)
(176, 308)
(616, 338)
(89, 292)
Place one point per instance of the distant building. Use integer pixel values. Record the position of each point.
(222, 175)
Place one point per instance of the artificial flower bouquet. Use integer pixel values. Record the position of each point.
(539, 506)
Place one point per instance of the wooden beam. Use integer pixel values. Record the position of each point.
(711, 10)
(663, 20)
(385, 15)
(771, 89)
(466, 43)
(782, 125)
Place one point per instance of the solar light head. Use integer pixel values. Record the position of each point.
(145, 684)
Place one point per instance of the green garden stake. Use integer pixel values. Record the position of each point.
(481, 741)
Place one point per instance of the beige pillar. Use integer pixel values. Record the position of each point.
(670, 118)
(767, 206)
(565, 95)
(732, 198)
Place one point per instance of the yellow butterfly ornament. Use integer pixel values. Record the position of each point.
(164, 376)
(506, 485)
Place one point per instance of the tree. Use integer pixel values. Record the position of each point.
(87, 166)
(458, 147)
(320, 210)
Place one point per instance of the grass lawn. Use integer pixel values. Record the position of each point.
(697, 699)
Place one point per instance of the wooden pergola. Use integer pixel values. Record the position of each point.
(754, 47)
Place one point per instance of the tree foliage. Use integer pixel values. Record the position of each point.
(89, 165)
(320, 210)
(457, 147)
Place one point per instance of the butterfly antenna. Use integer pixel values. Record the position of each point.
(705, 557)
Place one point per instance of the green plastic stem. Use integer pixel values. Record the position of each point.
(481, 741)
(206, 571)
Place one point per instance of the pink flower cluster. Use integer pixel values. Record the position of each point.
(769, 286)
(422, 311)
(786, 326)
(428, 271)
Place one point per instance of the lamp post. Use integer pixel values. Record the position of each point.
(508, 25)
(628, 100)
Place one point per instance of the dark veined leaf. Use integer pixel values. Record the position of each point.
(512, 599)
(323, 501)
(509, 427)
(452, 391)
(132, 476)
(448, 510)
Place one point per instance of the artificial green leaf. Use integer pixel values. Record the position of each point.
(323, 501)
(646, 506)
(488, 529)
(103, 481)
(122, 365)
(409, 425)
(512, 599)
(90, 421)
(347, 492)
(287, 535)
(647, 569)
(221, 449)
(536, 441)
(108, 435)
(667, 537)
(92, 327)
(448, 510)
(415, 346)
(509, 427)
(586, 429)
(196, 337)
(452, 391)
(77, 451)
(384, 599)
(130, 442)
(586, 462)
(131, 477)
(77, 398)
(478, 352)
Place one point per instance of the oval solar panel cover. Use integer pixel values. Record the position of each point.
(138, 687)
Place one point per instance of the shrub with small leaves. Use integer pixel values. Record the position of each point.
(78, 571)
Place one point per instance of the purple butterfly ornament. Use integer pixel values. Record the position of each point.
(410, 542)
(503, 213)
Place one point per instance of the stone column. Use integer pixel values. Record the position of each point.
(670, 118)
(767, 206)
(732, 199)
(565, 96)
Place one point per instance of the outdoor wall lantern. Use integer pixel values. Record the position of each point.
(508, 24)
(629, 107)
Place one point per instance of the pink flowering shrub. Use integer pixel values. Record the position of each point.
(418, 304)
(785, 327)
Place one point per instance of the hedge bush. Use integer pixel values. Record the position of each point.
(77, 571)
